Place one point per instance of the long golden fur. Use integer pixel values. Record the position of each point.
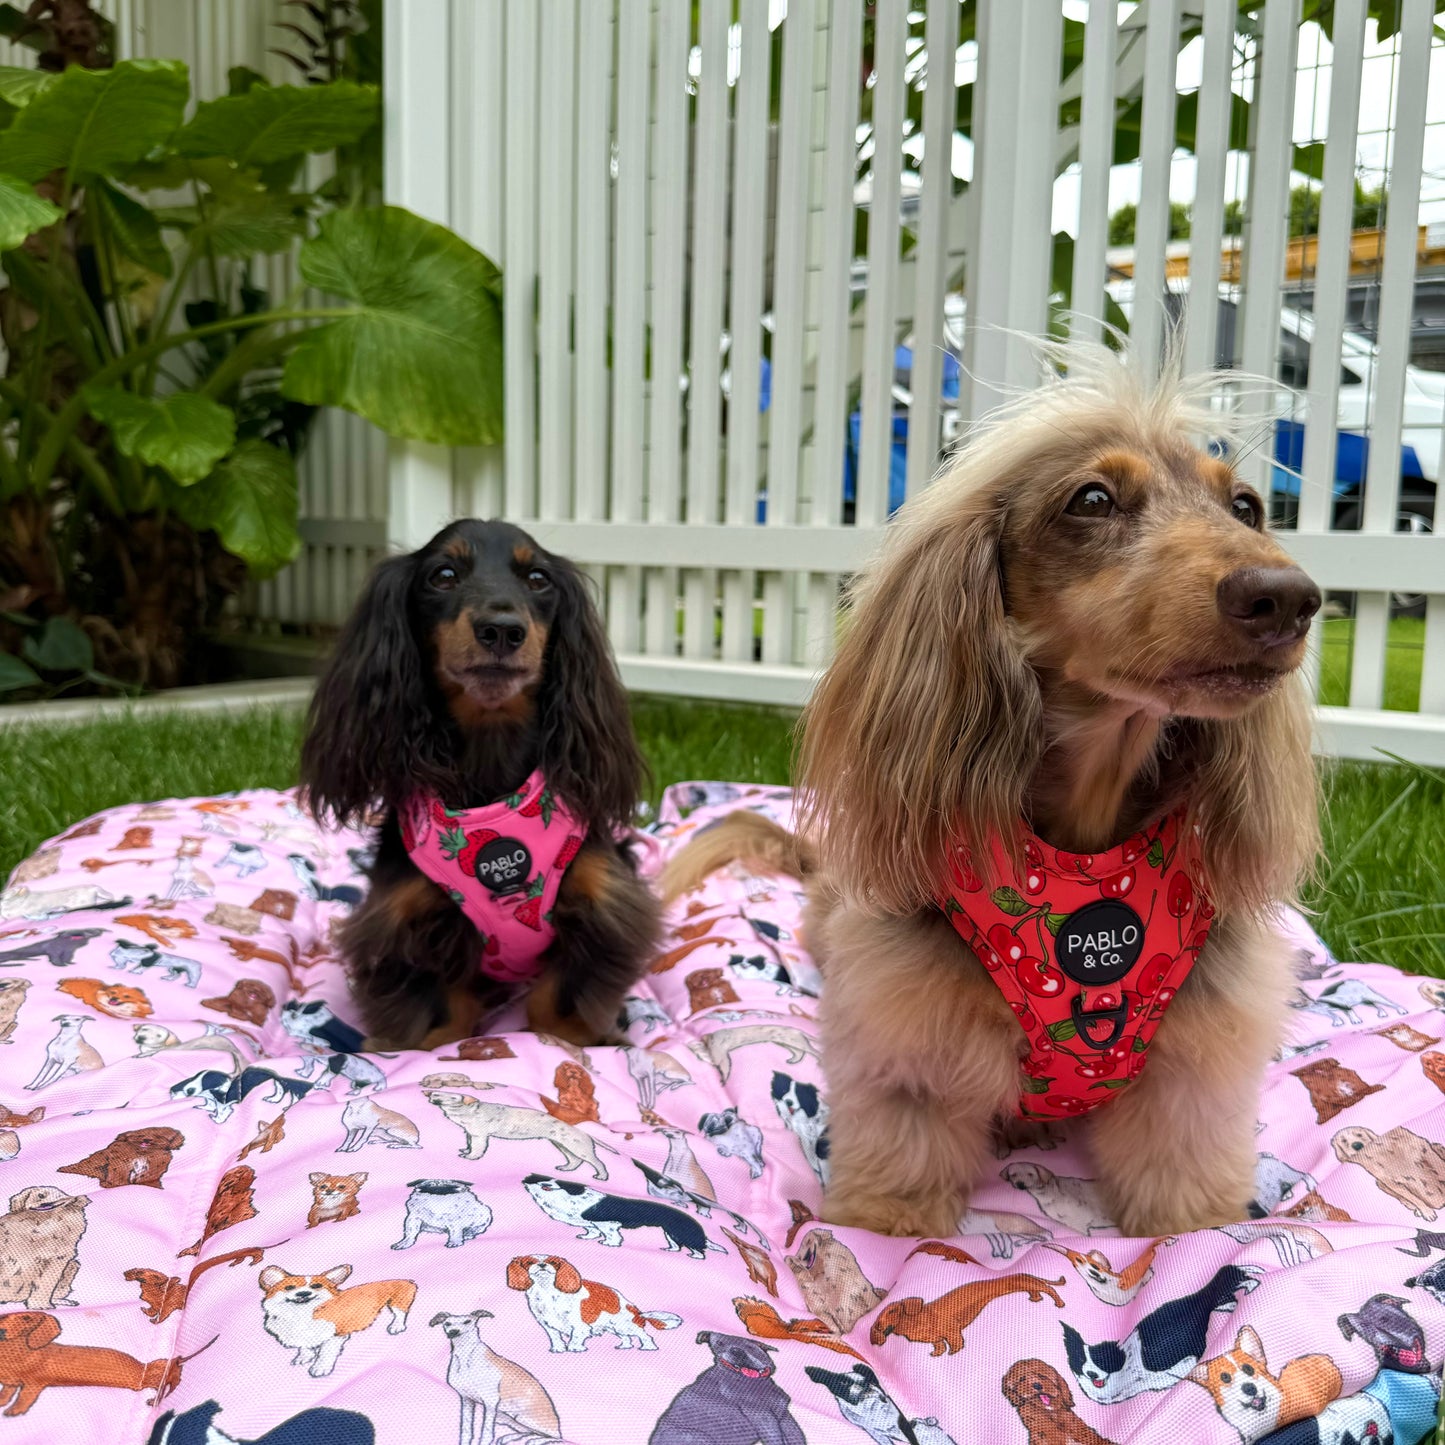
(1008, 658)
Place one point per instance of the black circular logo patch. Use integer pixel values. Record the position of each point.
(1100, 943)
(504, 865)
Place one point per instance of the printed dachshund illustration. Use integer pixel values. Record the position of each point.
(32, 1361)
(940, 1323)
(162, 1294)
(138, 1156)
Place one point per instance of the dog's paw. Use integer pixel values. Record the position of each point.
(889, 1214)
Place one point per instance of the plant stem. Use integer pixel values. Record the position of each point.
(256, 348)
(163, 321)
(68, 417)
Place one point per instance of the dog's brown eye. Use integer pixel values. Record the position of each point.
(1247, 1369)
(443, 578)
(1246, 510)
(1091, 501)
(538, 579)
(1225, 1378)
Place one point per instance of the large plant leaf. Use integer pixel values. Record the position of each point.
(14, 674)
(20, 86)
(419, 353)
(250, 224)
(185, 433)
(22, 212)
(132, 227)
(91, 121)
(270, 123)
(60, 646)
(250, 502)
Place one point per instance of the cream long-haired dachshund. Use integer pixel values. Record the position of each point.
(1055, 783)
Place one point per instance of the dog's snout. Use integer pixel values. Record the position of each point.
(1270, 605)
(502, 633)
(1248, 1391)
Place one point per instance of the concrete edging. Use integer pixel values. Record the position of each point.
(217, 698)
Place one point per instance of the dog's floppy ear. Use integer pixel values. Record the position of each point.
(589, 753)
(371, 735)
(704, 1337)
(43, 1330)
(437, 1318)
(517, 1276)
(568, 1280)
(924, 731)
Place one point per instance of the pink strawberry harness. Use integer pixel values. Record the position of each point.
(502, 864)
(1088, 953)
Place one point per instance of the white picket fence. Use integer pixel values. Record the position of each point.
(667, 211)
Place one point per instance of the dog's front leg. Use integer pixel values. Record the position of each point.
(921, 1052)
(607, 923)
(1176, 1150)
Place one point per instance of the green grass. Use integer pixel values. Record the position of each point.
(1381, 893)
(1404, 658)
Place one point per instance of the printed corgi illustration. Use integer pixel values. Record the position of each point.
(1255, 1402)
(314, 1317)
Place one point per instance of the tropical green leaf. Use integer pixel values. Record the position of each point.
(250, 502)
(185, 433)
(1062, 1030)
(15, 674)
(91, 121)
(1010, 900)
(22, 212)
(241, 78)
(247, 225)
(20, 86)
(133, 227)
(419, 352)
(271, 123)
(60, 646)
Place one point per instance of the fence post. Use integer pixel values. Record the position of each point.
(1008, 273)
(418, 176)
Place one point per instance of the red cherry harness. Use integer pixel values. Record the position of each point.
(1088, 953)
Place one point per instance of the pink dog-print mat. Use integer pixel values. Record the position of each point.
(224, 1224)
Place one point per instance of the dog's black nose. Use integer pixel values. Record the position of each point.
(1270, 605)
(1248, 1391)
(502, 634)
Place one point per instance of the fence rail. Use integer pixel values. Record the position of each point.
(718, 223)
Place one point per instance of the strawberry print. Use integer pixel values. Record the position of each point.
(467, 846)
(1088, 949)
(527, 834)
